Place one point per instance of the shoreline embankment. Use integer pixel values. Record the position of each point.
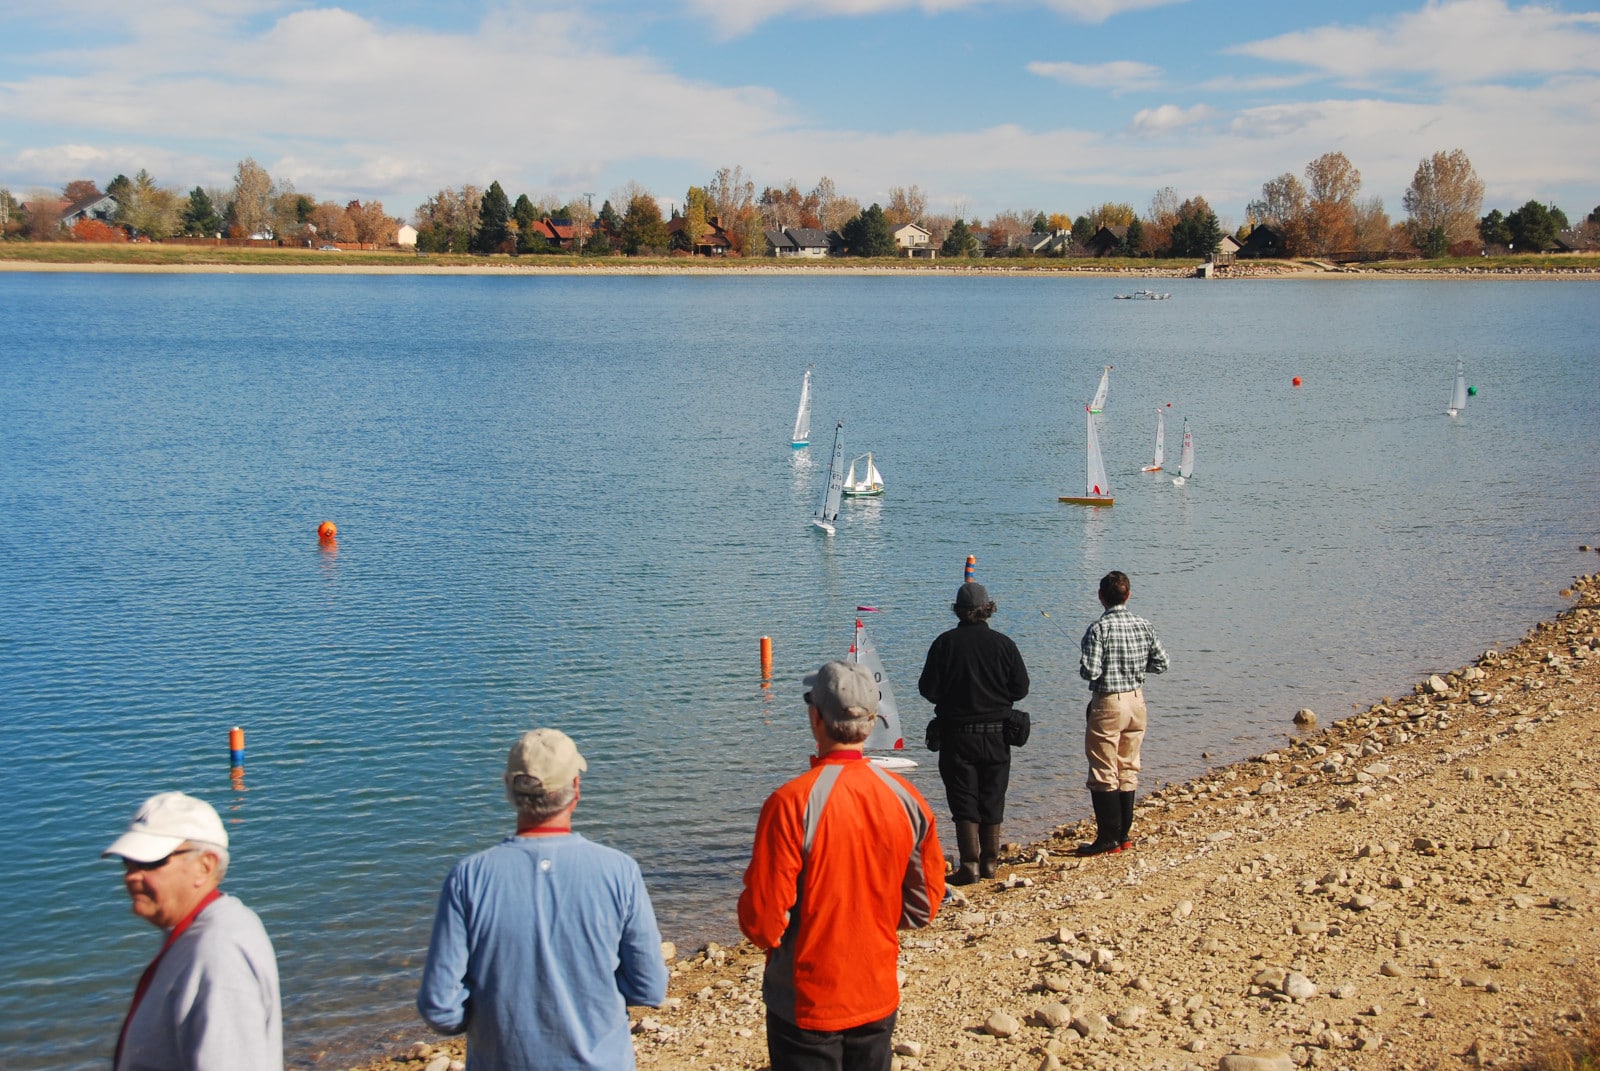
(1410, 886)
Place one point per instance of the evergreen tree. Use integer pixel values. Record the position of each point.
(1041, 224)
(1533, 227)
(1196, 232)
(530, 237)
(200, 215)
(494, 221)
(643, 230)
(868, 235)
(119, 188)
(1133, 241)
(959, 241)
(1493, 230)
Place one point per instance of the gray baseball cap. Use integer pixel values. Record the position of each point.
(841, 690)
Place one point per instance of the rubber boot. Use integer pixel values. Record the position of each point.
(1108, 825)
(967, 845)
(1125, 798)
(988, 850)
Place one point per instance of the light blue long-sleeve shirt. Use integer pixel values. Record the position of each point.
(539, 945)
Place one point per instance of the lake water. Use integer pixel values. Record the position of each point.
(572, 502)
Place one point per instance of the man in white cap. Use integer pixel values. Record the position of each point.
(845, 856)
(541, 942)
(209, 1000)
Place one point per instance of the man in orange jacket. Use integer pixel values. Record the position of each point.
(845, 855)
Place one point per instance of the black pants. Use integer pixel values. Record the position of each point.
(861, 1048)
(976, 768)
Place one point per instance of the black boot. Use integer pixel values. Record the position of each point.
(1108, 825)
(988, 850)
(967, 845)
(1125, 798)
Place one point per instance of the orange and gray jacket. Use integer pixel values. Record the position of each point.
(845, 855)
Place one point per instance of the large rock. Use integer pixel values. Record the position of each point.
(1053, 1016)
(1266, 1060)
(1001, 1024)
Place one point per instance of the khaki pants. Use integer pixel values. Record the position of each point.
(1112, 740)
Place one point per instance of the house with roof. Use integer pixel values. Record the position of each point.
(1577, 240)
(1107, 240)
(714, 241)
(1264, 240)
(102, 207)
(797, 242)
(1045, 243)
(912, 240)
(406, 236)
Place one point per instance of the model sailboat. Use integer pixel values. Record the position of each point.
(1097, 492)
(828, 512)
(1161, 441)
(886, 735)
(1099, 402)
(1458, 396)
(802, 416)
(1186, 458)
(869, 484)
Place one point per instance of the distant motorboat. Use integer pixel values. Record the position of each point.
(1142, 295)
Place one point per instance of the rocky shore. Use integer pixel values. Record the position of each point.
(1412, 886)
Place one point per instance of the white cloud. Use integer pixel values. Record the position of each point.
(734, 17)
(1116, 76)
(1448, 41)
(1156, 122)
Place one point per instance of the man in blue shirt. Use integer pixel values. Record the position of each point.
(1117, 651)
(541, 942)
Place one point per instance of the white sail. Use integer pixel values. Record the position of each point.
(1161, 441)
(1095, 483)
(1458, 397)
(828, 511)
(802, 416)
(874, 477)
(886, 735)
(1099, 402)
(850, 478)
(1186, 457)
(869, 484)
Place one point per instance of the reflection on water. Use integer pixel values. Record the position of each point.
(546, 517)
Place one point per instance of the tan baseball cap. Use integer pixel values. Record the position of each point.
(546, 754)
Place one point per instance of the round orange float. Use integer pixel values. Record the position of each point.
(1295, 381)
(327, 531)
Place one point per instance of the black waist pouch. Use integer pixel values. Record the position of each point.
(1018, 728)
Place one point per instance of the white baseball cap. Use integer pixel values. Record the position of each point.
(164, 822)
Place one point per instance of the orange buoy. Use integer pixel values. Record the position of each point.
(971, 569)
(236, 747)
(766, 656)
(327, 531)
(1295, 381)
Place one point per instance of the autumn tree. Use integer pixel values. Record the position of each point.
(10, 214)
(1058, 221)
(373, 226)
(1110, 214)
(781, 206)
(291, 211)
(332, 222)
(696, 215)
(1373, 231)
(1004, 229)
(733, 202)
(1446, 196)
(1332, 183)
(446, 220)
(959, 241)
(96, 230)
(643, 230)
(1283, 205)
(79, 190)
(252, 200)
(868, 234)
(148, 209)
(906, 205)
(199, 215)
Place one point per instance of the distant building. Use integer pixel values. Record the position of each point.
(1107, 240)
(1045, 243)
(912, 240)
(797, 242)
(406, 236)
(102, 208)
(1264, 240)
(714, 241)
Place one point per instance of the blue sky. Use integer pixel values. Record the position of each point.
(985, 105)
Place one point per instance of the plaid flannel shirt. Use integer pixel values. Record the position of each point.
(1118, 650)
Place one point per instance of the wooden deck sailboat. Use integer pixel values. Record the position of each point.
(1097, 492)
(1161, 441)
(802, 416)
(1099, 402)
(1458, 396)
(886, 735)
(869, 484)
(1186, 458)
(828, 511)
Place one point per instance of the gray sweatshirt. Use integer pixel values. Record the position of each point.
(213, 1002)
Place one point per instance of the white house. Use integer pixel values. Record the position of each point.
(912, 240)
(406, 236)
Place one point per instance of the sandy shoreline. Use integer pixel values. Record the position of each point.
(984, 269)
(1411, 886)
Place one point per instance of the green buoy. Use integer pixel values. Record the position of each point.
(1472, 392)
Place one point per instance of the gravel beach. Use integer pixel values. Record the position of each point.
(1411, 886)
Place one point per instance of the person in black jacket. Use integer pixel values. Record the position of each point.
(972, 676)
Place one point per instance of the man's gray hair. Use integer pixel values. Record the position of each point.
(535, 803)
(850, 726)
(206, 847)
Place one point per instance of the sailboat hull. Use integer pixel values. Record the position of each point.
(823, 526)
(870, 492)
(1151, 468)
(1088, 500)
(892, 762)
(800, 444)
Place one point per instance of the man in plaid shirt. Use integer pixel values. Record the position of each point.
(1117, 651)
